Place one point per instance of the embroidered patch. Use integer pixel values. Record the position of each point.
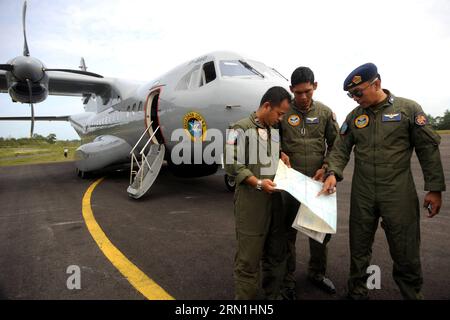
(391, 99)
(356, 79)
(313, 120)
(294, 120)
(344, 128)
(362, 121)
(232, 136)
(391, 117)
(421, 119)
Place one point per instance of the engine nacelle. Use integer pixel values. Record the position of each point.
(27, 68)
(19, 91)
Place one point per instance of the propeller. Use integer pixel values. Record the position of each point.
(26, 52)
(6, 67)
(26, 76)
(21, 67)
(30, 91)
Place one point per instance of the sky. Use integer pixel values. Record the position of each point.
(409, 41)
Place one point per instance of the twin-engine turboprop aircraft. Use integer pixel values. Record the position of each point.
(128, 121)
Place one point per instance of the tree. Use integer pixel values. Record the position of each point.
(444, 122)
(37, 136)
(51, 138)
(432, 121)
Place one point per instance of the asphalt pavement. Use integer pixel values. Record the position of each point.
(181, 235)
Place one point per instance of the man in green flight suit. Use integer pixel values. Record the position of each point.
(251, 155)
(308, 132)
(383, 131)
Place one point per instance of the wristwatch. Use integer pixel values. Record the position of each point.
(329, 173)
(259, 185)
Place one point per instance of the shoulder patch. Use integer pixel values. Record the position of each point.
(344, 128)
(232, 135)
(421, 119)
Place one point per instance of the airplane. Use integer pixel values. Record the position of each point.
(123, 119)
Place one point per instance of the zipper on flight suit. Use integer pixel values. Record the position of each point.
(303, 134)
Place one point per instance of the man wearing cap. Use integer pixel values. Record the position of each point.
(383, 131)
(308, 131)
(260, 231)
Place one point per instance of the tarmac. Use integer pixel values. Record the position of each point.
(181, 235)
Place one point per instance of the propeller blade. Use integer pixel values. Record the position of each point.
(6, 67)
(86, 73)
(26, 52)
(32, 120)
(30, 92)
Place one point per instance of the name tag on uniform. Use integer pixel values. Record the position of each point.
(391, 117)
(314, 120)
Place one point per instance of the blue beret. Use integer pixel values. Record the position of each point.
(361, 74)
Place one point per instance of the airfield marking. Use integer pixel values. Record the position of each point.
(139, 280)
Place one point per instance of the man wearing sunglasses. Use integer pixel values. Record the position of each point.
(307, 133)
(383, 131)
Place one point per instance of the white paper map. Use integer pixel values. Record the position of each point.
(317, 215)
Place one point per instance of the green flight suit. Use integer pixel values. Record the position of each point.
(383, 138)
(306, 137)
(258, 216)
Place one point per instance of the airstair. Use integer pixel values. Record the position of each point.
(144, 171)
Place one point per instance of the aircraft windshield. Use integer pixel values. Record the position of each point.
(235, 68)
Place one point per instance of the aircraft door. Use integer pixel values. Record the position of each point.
(152, 117)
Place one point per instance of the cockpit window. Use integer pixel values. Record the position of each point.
(236, 68)
(266, 70)
(197, 76)
(190, 79)
(208, 73)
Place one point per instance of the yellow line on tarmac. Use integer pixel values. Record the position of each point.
(136, 277)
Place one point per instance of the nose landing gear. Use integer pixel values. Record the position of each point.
(230, 182)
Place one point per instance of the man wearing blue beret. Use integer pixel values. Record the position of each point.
(383, 130)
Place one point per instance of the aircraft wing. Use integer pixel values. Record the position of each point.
(37, 118)
(69, 84)
(66, 84)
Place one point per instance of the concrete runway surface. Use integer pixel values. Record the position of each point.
(181, 235)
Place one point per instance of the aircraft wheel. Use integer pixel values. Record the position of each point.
(230, 182)
(82, 174)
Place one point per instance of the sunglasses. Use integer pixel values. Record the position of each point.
(358, 93)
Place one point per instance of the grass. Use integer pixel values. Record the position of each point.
(29, 151)
(37, 152)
